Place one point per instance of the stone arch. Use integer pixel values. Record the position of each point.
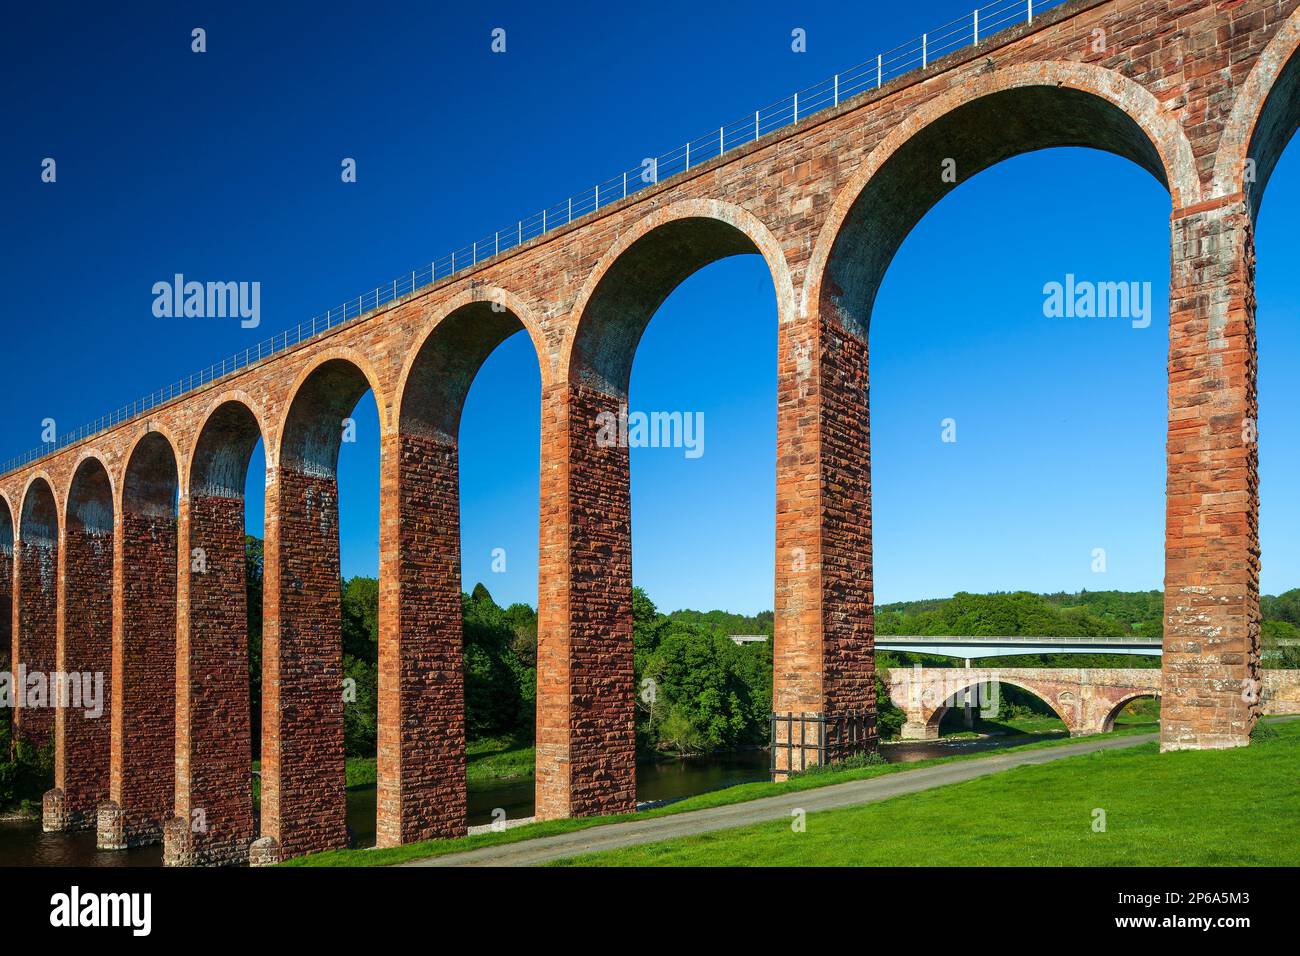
(1264, 117)
(936, 716)
(151, 479)
(448, 353)
(144, 731)
(85, 646)
(36, 576)
(995, 116)
(39, 512)
(6, 578)
(325, 393)
(421, 766)
(641, 270)
(7, 526)
(1108, 724)
(215, 725)
(92, 494)
(227, 435)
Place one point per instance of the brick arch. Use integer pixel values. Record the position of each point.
(451, 348)
(36, 559)
(151, 476)
(937, 715)
(8, 530)
(48, 518)
(1108, 723)
(223, 443)
(641, 270)
(98, 492)
(214, 723)
(87, 562)
(328, 388)
(1056, 104)
(1264, 117)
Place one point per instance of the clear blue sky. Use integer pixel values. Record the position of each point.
(226, 166)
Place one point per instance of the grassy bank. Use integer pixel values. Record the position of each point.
(738, 794)
(1193, 808)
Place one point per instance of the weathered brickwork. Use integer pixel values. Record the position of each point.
(1200, 93)
(303, 783)
(142, 782)
(35, 631)
(85, 653)
(586, 737)
(422, 726)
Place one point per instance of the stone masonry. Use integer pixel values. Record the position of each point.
(1201, 93)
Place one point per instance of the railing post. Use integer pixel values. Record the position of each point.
(543, 220)
(1030, 4)
(796, 107)
(570, 210)
(496, 240)
(837, 89)
(521, 232)
(625, 184)
(880, 70)
(925, 49)
(722, 140)
(597, 195)
(977, 25)
(688, 154)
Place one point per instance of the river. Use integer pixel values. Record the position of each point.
(23, 843)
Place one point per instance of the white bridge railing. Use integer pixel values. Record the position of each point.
(918, 53)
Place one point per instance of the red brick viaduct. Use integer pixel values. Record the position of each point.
(1200, 93)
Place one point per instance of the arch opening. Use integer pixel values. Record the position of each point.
(36, 557)
(600, 431)
(83, 720)
(6, 604)
(220, 642)
(304, 693)
(633, 288)
(1138, 708)
(1002, 702)
(951, 150)
(144, 750)
(468, 691)
(1276, 125)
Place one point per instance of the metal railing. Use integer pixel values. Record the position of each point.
(918, 53)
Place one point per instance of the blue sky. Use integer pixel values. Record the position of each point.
(226, 166)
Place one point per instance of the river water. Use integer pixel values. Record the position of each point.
(23, 843)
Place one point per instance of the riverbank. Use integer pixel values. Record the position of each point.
(714, 798)
(1132, 807)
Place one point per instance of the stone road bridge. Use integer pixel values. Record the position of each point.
(102, 539)
(1087, 699)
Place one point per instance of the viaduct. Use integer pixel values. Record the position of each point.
(101, 538)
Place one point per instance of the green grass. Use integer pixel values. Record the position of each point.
(716, 798)
(1236, 807)
(498, 759)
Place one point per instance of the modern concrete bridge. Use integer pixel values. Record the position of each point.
(127, 545)
(980, 647)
